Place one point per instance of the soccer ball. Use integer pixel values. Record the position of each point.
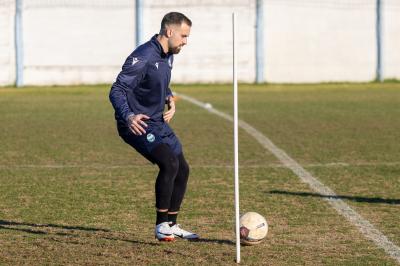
(253, 228)
(208, 106)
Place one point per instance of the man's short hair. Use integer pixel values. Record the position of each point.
(175, 18)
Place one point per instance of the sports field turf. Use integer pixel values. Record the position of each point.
(73, 193)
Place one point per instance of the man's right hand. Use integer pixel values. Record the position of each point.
(137, 125)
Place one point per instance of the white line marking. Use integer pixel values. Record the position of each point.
(366, 228)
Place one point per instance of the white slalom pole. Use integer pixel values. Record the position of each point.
(236, 140)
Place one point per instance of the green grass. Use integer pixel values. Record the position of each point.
(73, 193)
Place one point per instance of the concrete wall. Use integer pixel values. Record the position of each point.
(86, 41)
(76, 43)
(311, 43)
(391, 40)
(208, 55)
(7, 52)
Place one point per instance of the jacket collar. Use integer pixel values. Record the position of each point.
(158, 46)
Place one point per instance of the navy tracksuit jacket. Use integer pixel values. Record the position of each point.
(142, 87)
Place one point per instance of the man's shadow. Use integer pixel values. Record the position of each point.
(353, 198)
(18, 226)
(39, 229)
(216, 241)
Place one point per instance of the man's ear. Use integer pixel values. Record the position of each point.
(168, 32)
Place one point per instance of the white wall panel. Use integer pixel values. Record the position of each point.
(86, 41)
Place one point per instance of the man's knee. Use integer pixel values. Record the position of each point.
(166, 160)
(170, 165)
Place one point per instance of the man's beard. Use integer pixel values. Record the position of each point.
(175, 50)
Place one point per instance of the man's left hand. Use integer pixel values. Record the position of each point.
(171, 109)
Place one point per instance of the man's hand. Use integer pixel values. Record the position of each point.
(136, 124)
(171, 109)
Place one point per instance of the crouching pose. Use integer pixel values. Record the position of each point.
(139, 96)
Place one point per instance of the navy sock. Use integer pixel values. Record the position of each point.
(172, 218)
(161, 217)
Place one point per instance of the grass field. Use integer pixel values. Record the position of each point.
(73, 193)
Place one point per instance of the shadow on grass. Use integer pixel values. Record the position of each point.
(97, 232)
(131, 241)
(37, 232)
(67, 227)
(216, 241)
(21, 226)
(353, 198)
(6, 225)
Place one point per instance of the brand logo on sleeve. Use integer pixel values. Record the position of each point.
(156, 64)
(134, 60)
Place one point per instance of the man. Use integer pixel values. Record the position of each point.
(139, 96)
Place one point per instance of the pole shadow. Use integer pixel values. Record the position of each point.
(353, 198)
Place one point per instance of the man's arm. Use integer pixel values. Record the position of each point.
(119, 101)
(171, 108)
(169, 93)
(132, 73)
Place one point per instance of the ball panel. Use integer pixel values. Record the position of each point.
(244, 232)
(253, 228)
(259, 232)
